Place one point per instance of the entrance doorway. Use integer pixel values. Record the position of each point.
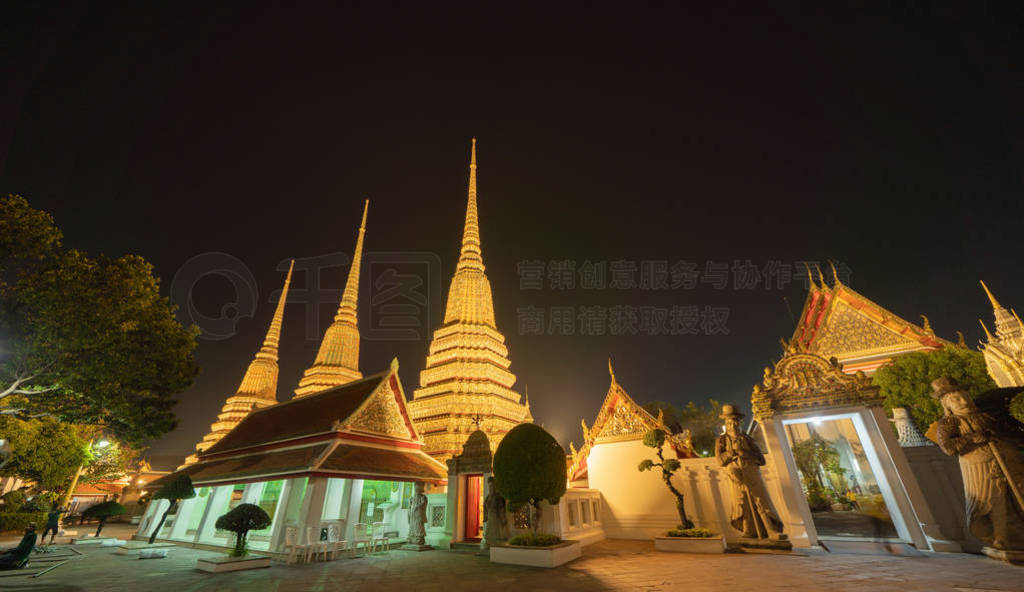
(842, 480)
(474, 518)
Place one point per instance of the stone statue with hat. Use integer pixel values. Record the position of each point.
(741, 459)
(992, 469)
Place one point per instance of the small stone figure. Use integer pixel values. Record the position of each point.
(495, 518)
(752, 512)
(417, 516)
(992, 469)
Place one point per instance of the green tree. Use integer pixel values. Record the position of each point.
(529, 467)
(102, 511)
(85, 340)
(906, 380)
(656, 439)
(177, 489)
(43, 450)
(240, 520)
(703, 422)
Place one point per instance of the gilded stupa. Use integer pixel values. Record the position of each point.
(259, 385)
(337, 361)
(467, 382)
(1004, 351)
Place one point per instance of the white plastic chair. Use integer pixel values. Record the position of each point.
(359, 536)
(334, 541)
(378, 536)
(292, 546)
(312, 543)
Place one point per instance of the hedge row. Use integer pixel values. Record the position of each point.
(17, 521)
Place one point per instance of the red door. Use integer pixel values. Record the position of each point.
(474, 507)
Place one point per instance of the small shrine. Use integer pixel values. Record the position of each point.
(468, 476)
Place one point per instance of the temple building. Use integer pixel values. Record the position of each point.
(337, 361)
(340, 460)
(467, 382)
(259, 385)
(1004, 351)
(838, 322)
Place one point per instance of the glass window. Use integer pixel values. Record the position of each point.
(199, 505)
(268, 501)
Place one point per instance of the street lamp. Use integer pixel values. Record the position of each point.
(102, 444)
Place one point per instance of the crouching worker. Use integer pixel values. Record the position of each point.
(18, 556)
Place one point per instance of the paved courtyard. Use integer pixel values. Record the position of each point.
(609, 565)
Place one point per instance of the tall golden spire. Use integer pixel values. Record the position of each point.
(467, 372)
(259, 385)
(471, 256)
(337, 361)
(992, 299)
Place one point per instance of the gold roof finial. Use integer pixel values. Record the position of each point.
(989, 335)
(835, 274)
(927, 326)
(471, 255)
(611, 371)
(995, 303)
(350, 298)
(821, 276)
(961, 342)
(810, 278)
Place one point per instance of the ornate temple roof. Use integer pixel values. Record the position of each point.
(360, 430)
(620, 419)
(337, 361)
(838, 322)
(259, 385)
(1004, 351)
(467, 379)
(805, 381)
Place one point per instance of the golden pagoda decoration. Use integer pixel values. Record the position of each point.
(1004, 351)
(337, 362)
(466, 378)
(259, 385)
(838, 322)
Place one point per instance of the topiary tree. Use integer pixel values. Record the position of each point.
(177, 489)
(907, 379)
(529, 466)
(656, 439)
(102, 511)
(240, 520)
(13, 500)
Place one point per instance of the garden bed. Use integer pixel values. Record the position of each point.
(690, 544)
(549, 556)
(224, 563)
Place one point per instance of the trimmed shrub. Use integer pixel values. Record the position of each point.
(17, 521)
(13, 500)
(102, 511)
(529, 467)
(700, 533)
(240, 520)
(530, 539)
(175, 490)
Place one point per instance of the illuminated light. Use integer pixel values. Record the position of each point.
(102, 444)
(466, 374)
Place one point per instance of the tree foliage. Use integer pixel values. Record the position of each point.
(702, 421)
(530, 466)
(240, 520)
(906, 380)
(43, 450)
(656, 439)
(85, 340)
(177, 489)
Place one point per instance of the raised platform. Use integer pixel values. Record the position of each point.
(134, 547)
(1014, 557)
(552, 556)
(690, 544)
(225, 563)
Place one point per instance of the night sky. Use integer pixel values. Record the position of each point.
(888, 141)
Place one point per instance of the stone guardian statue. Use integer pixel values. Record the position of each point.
(741, 459)
(417, 518)
(495, 518)
(992, 469)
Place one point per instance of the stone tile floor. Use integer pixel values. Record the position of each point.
(609, 565)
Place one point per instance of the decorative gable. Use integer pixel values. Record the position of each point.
(383, 412)
(804, 381)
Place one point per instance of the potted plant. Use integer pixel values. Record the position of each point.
(529, 468)
(684, 538)
(177, 489)
(102, 511)
(240, 520)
